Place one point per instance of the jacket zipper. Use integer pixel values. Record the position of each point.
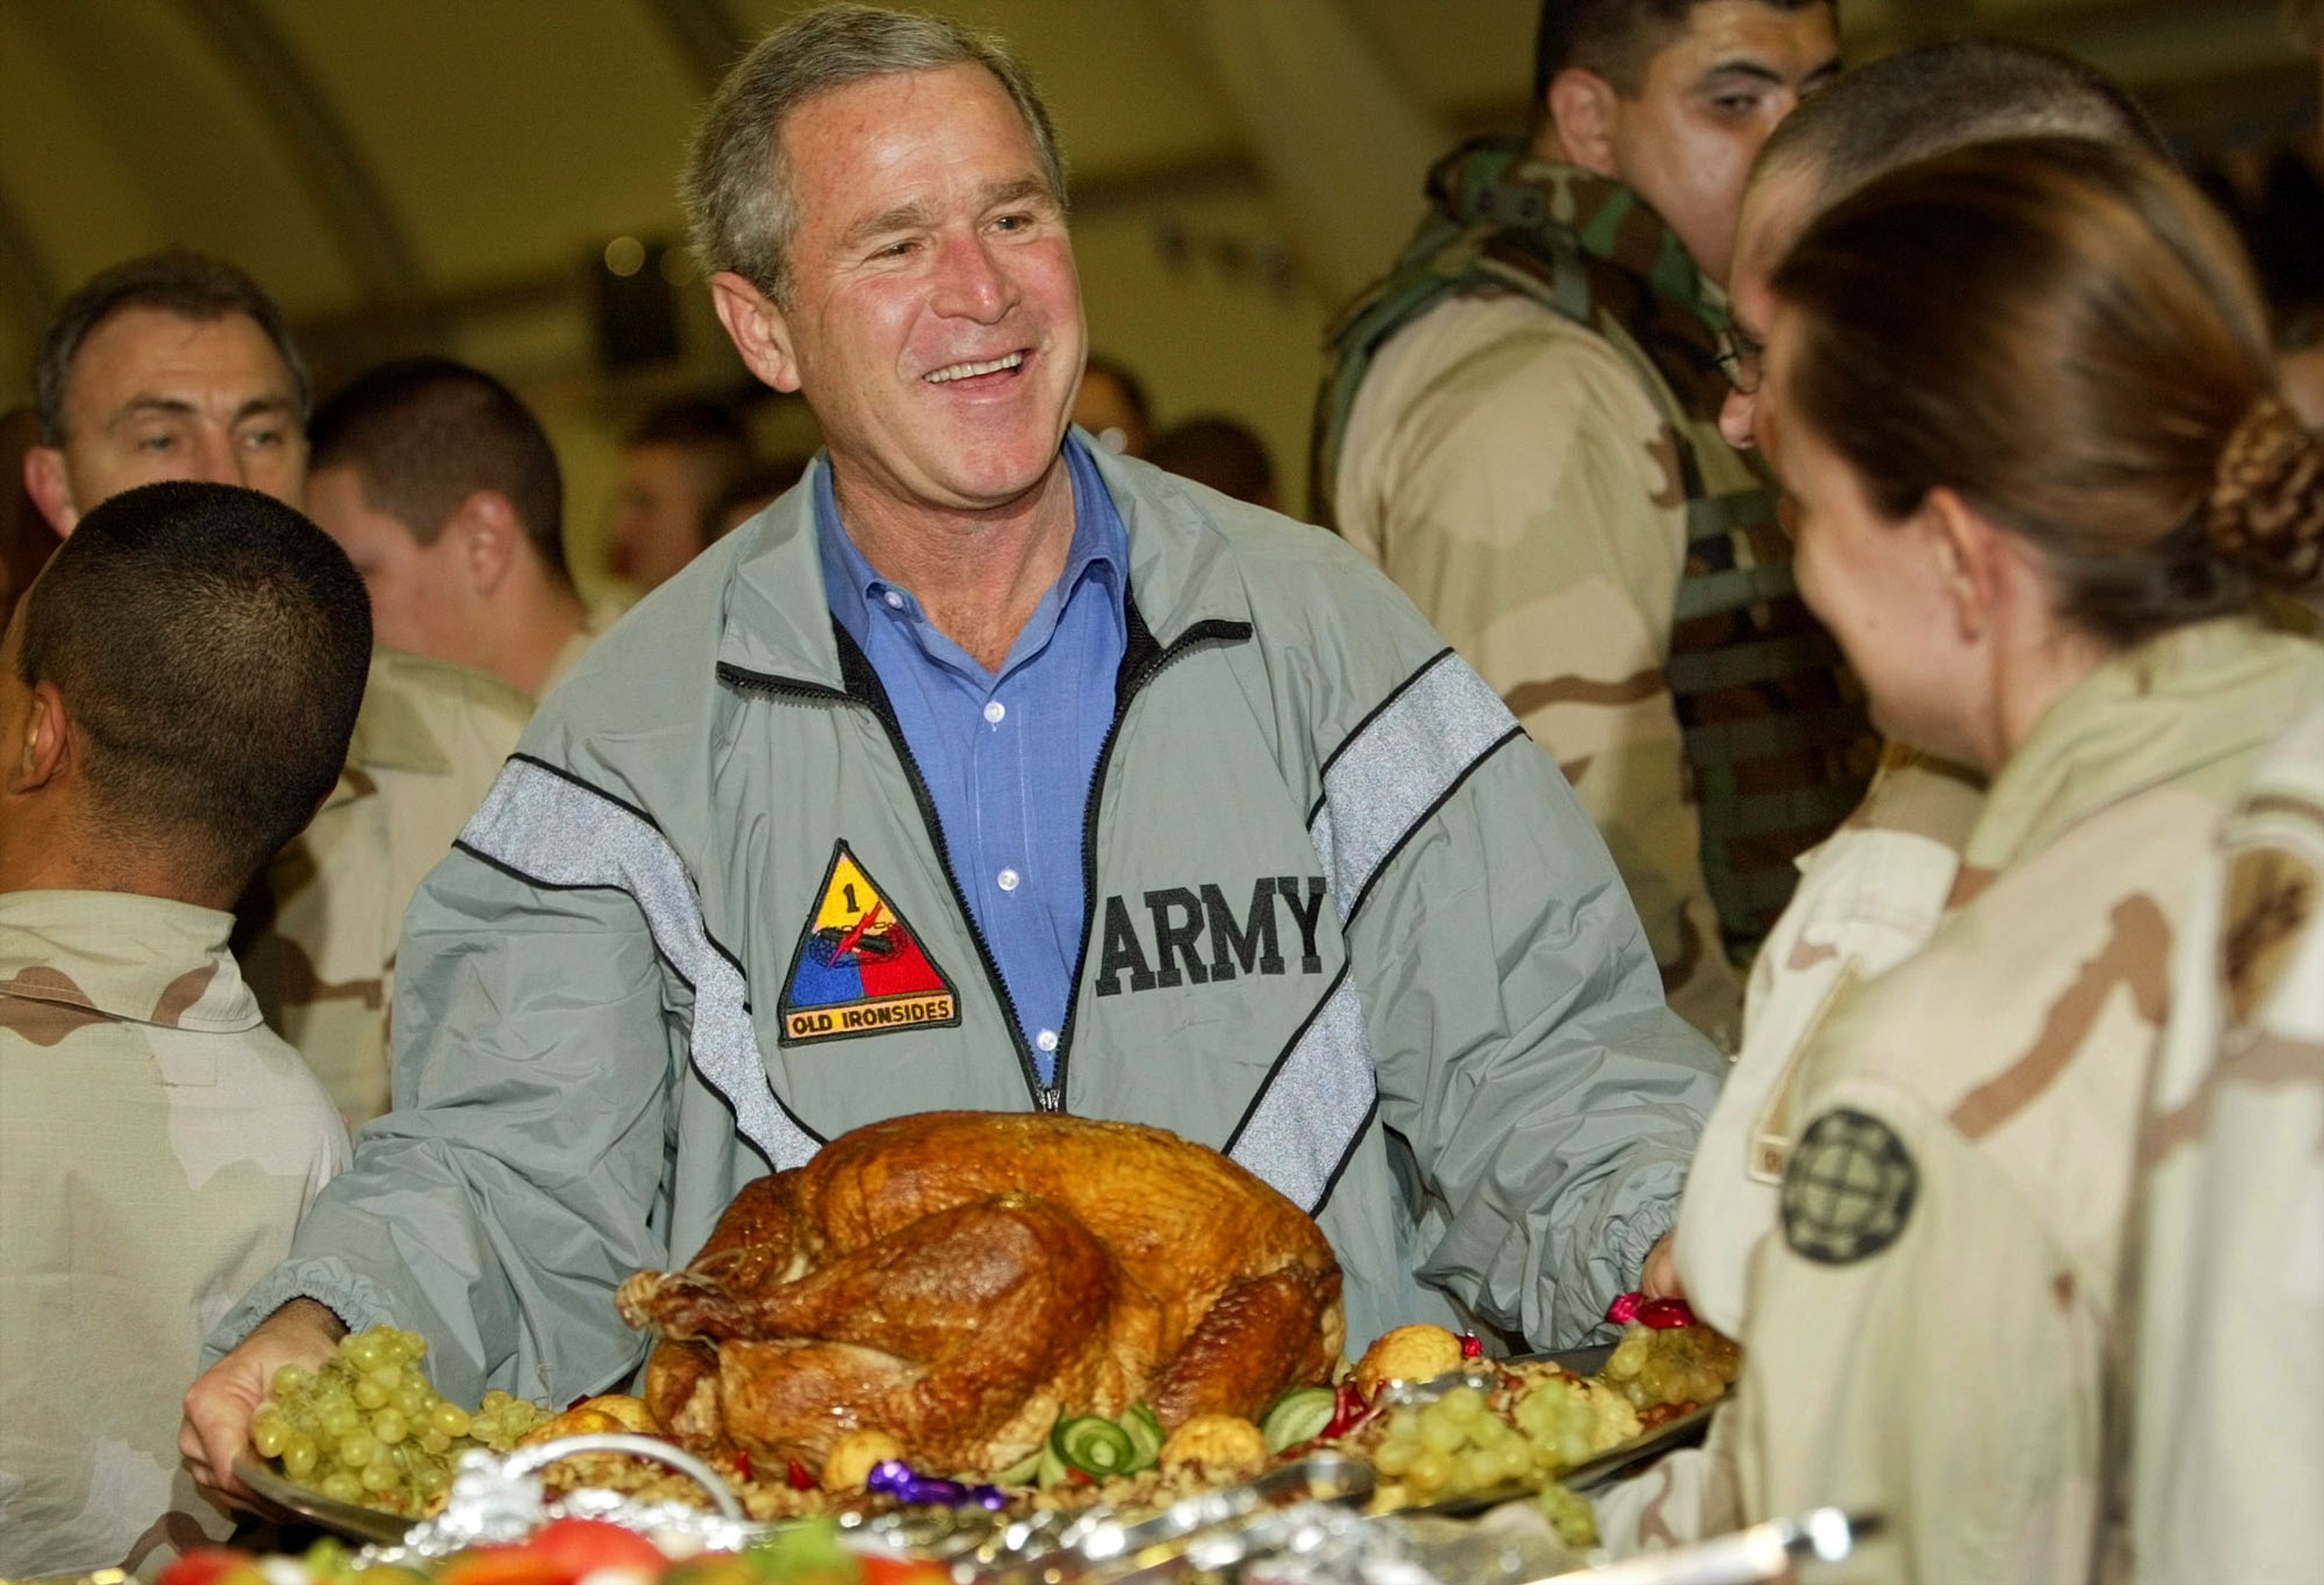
(854, 665)
(1154, 662)
(857, 667)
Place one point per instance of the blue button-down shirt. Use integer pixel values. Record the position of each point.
(1007, 755)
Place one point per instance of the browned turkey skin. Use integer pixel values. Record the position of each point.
(960, 1279)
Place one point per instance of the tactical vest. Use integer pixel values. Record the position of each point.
(1778, 746)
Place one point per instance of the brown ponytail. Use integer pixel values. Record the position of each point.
(2067, 335)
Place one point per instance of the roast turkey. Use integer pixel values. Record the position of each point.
(961, 1279)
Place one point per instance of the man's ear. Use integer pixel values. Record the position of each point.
(489, 533)
(46, 750)
(46, 483)
(1970, 560)
(1583, 109)
(758, 329)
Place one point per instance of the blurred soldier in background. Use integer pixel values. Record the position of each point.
(26, 540)
(681, 462)
(1111, 405)
(176, 694)
(176, 366)
(1220, 452)
(443, 488)
(1518, 424)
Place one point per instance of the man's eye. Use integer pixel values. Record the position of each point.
(1736, 105)
(156, 444)
(264, 439)
(1012, 222)
(897, 250)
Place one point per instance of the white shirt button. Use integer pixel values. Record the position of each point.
(995, 711)
(1008, 880)
(1046, 1039)
(895, 601)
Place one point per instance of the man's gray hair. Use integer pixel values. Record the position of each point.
(737, 189)
(1930, 100)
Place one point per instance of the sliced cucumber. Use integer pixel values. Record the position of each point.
(1298, 1416)
(1144, 1428)
(1097, 1447)
(1049, 1466)
(1023, 1472)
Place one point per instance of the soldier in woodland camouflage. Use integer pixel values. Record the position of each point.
(1518, 423)
(176, 694)
(1929, 1331)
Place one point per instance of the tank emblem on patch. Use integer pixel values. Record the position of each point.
(2270, 896)
(858, 968)
(1848, 1190)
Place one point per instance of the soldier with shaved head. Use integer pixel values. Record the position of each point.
(176, 696)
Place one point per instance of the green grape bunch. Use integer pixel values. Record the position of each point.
(1454, 1447)
(1673, 1366)
(368, 1427)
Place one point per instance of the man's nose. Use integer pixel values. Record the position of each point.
(218, 461)
(971, 282)
(1737, 419)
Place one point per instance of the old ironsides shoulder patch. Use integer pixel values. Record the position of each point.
(1848, 1190)
(859, 969)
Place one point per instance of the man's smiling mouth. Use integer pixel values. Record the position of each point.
(952, 371)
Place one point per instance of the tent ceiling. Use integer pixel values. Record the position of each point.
(367, 161)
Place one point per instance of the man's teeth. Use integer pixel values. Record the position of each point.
(968, 371)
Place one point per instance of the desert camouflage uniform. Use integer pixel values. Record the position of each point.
(1928, 1335)
(1519, 426)
(428, 741)
(2229, 1443)
(1869, 896)
(157, 1145)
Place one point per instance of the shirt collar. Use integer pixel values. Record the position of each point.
(141, 960)
(1099, 547)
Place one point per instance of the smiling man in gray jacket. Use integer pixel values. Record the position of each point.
(986, 770)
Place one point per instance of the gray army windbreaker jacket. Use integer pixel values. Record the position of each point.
(1347, 924)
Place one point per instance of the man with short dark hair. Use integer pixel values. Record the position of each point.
(1909, 107)
(679, 462)
(1872, 894)
(1518, 424)
(176, 366)
(985, 771)
(443, 488)
(176, 696)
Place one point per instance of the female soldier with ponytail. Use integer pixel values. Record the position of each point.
(2020, 397)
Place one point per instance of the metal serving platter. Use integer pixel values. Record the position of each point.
(354, 1522)
(349, 1521)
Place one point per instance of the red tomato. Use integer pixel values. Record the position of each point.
(583, 1546)
(506, 1565)
(889, 1570)
(207, 1565)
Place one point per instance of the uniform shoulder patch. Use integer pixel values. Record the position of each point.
(858, 968)
(1848, 1190)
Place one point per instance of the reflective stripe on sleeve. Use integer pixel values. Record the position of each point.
(1398, 767)
(554, 832)
(1395, 770)
(1307, 1117)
